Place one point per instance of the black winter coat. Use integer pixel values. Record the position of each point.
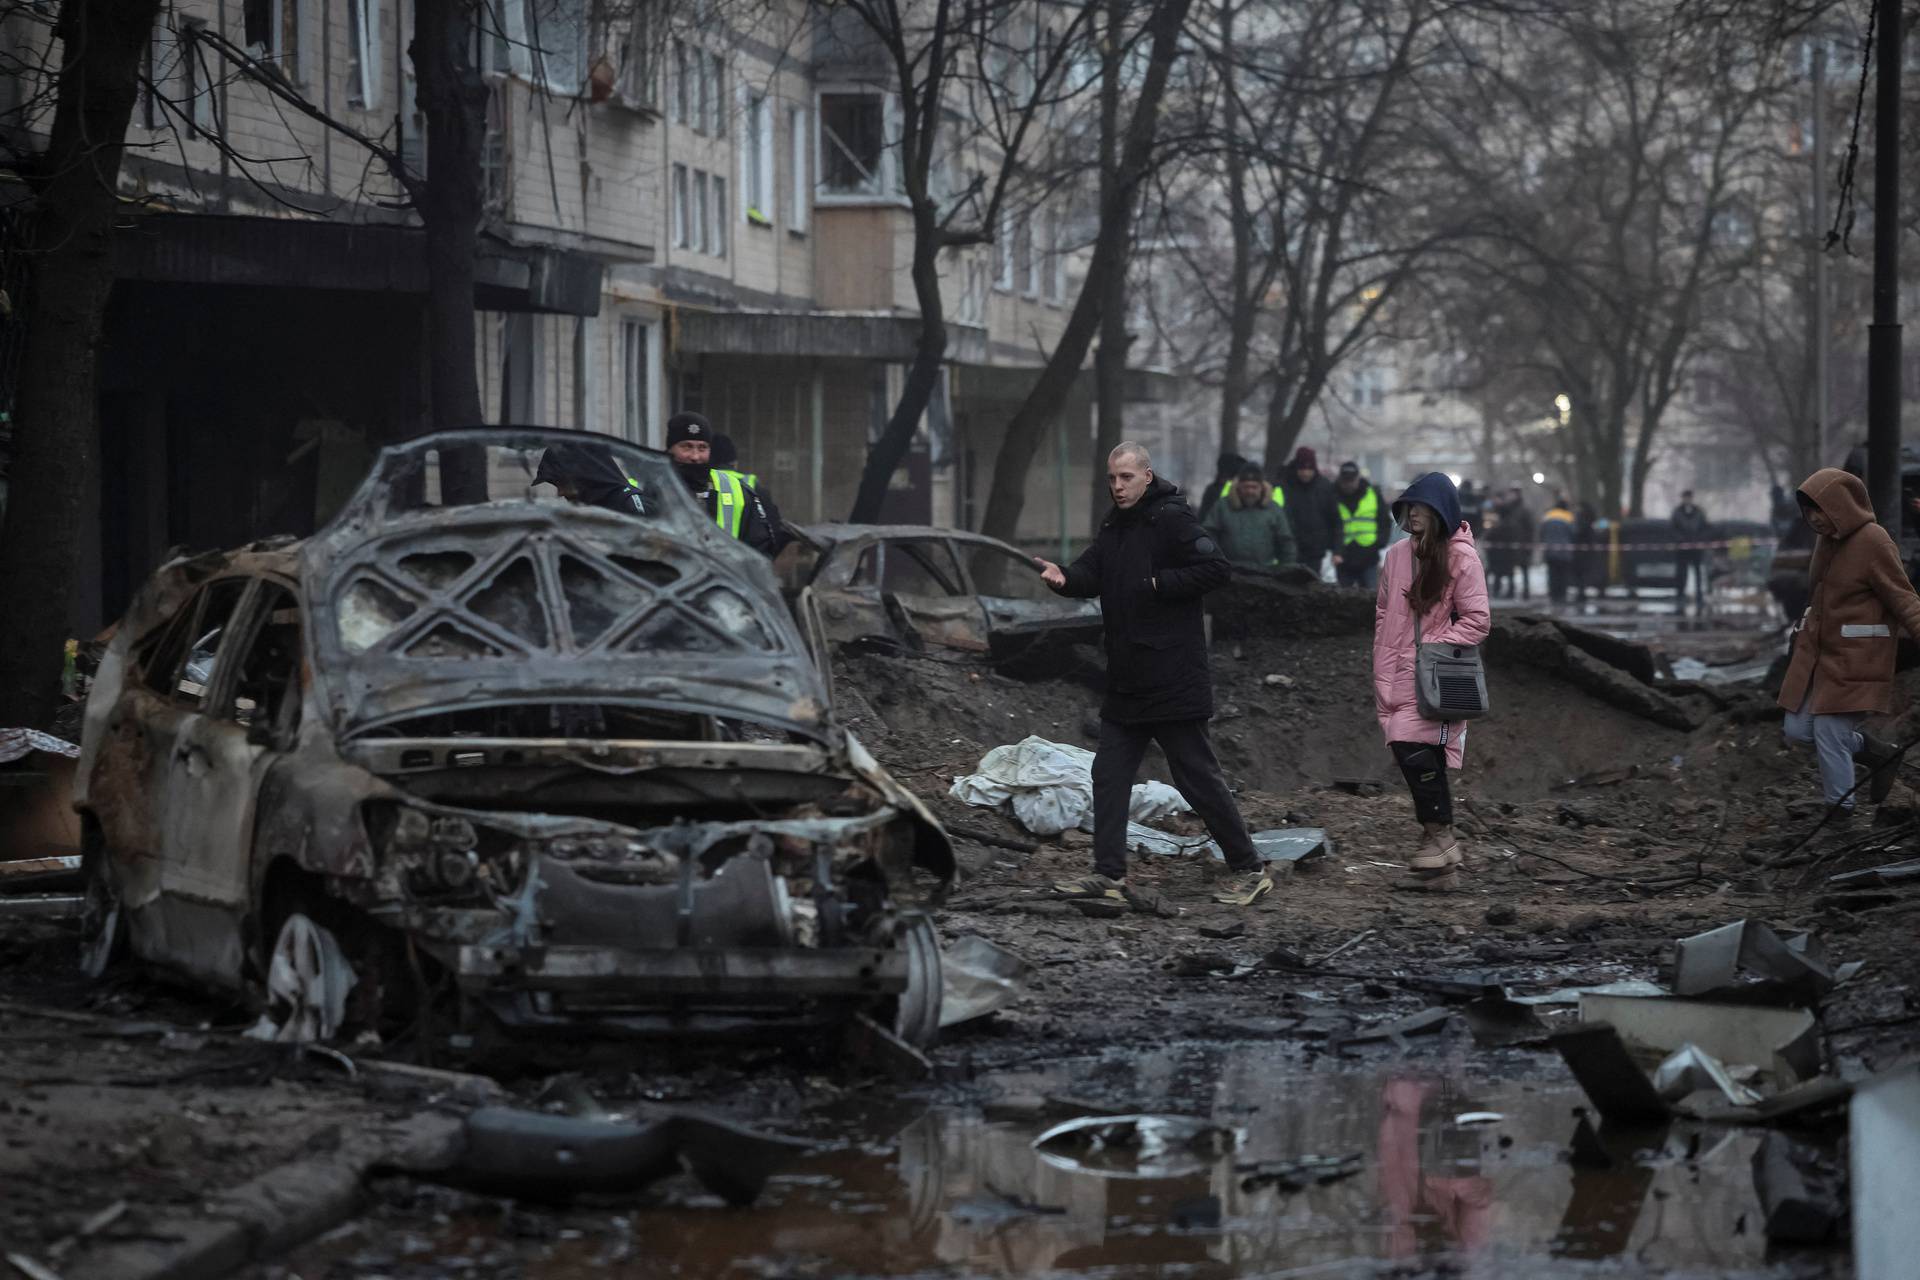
(1149, 566)
(1311, 511)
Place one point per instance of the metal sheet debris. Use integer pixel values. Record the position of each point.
(1891, 874)
(1783, 1042)
(1747, 960)
(1422, 1023)
(976, 978)
(1572, 995)
(1692, 1070)
(1884, 1162)
(1613, 1081)
(1136, 1146)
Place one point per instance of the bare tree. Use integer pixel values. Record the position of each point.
(72, 201)
(1141, 55)
(1606, 209)
(1001, 66)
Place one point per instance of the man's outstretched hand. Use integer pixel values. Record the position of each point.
(1050, 573)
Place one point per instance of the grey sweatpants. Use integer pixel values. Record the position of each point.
(1835, 739)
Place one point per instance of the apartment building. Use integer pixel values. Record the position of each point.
(684, 211)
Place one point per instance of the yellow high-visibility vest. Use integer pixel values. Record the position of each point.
(731, 509)
(1362, 524)
(1279, 498)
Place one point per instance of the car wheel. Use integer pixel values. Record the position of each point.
(308, 980)
(916, 1018)
(103, 938)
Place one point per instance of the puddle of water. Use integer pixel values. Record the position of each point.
(911, 1190)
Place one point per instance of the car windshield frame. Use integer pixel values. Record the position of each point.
(389, 494)
(768, 678)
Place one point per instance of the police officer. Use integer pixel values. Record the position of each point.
(589, 475)
(725, 458)
(725, 495)
(1363, 529)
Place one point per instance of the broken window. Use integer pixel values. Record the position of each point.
(853, 148)
(512, 602)
(735, 616)
(1002, 573)
(266, 689)
(867, 572)
(183, 662)
(273, 33)
(920, 567)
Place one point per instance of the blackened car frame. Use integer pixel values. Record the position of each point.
(564, 767)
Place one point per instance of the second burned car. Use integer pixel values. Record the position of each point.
(565, 767)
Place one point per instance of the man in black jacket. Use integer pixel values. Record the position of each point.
(1149, 566)
(1310, 508)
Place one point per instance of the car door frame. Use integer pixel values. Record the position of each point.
(955, 621)
(205, 822)
(1004, 611)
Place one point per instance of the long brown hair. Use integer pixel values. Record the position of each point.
(1430, 563)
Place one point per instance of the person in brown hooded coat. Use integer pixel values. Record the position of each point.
(1843, 648)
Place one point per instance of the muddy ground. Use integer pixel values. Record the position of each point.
(1596, 836)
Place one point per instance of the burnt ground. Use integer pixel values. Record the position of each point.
(1595, 836)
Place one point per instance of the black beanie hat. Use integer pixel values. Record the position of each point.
(688, 425)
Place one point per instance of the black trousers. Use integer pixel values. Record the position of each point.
(1196, 775)
(1425, 767)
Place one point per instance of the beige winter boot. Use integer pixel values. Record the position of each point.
(1436, 863)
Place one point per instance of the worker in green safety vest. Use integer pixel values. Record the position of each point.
(726, 458)
(1365, 524)
(725, 495)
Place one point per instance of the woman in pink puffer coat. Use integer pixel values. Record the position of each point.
(1436, 573)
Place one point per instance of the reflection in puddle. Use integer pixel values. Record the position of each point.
(954, 1190)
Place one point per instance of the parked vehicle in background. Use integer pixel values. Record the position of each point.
(473, 749)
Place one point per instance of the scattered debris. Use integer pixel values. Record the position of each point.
(1891, 874)
(1793, 969)
(1238, 929)
(1802, 1191)
(980, 836)
(1502, 913)
(1599, 778)
(1292, 844)
(1397, 1030)
(1785, 1043)
(1497, 1022)
(868, 1041)
(46, 906)
(531, 1155)
(1348, 945)
(1469, 1118)
(1099, 908)
(1884, 1162)
(976, 978)
(1573, 995)
(1613, 1081)
(23, 874)
(1300, 1173)
(1200, 964)
(1136, 1146)
(1277, 681)
(1692, 1070)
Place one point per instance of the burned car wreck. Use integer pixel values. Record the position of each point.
(563, 766)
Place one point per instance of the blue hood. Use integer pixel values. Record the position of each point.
(1436, 491)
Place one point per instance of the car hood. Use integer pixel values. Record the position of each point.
(502, 603)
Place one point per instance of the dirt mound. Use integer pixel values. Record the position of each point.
(1294, 702)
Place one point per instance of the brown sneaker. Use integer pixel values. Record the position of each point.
(1245, 888)
(1091, 886)
(1439, 850)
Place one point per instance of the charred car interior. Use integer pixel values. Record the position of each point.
(563, 766)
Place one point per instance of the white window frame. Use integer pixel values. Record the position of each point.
(364, 59)
(702, 105)
(1003, 253)
(584, 366)
(682, 198)
(1056, 268)
(701, 211)
(889, 172)
(639, 70)
(682, 83)
(1029, 281)
(798, 192)
(636, 380)
(717, 71)
(194, 73)
(521, 63)
(757, 186)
